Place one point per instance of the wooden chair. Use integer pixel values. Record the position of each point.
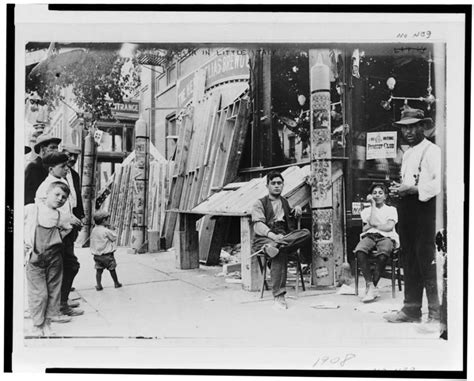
(263, 260)
(393, 262)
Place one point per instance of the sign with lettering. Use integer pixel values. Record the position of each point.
(381, 145)
(125, 108)
(221, 68)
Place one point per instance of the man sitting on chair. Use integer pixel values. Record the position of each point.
(274, 227)
(378, 232)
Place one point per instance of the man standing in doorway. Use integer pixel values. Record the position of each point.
(35, 172)
(420, 184)
(274, 227)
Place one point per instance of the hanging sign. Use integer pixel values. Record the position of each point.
(231, 66)
(381, 145)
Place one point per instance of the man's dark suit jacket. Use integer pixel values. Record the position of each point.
(78, 211)
(35, 173)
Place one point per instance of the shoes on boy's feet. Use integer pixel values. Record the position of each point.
(47, 330)
(432, 320)
(271, 251)
(61, 318)
(66, 310)
(370, 294)
(99, 288)
(401, 317)
(73, 304)
(280, 302)
(118, 285)
(37, 331)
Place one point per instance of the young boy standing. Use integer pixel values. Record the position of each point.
(103, 245)
(45, 227)
(57, 166)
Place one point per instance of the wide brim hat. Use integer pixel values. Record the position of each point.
(71, 149)
(43, 139)
(412, 116)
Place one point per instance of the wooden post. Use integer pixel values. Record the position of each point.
(321, 173)
(88, 191)
(140, 186)
(251, 276)
(186, 242)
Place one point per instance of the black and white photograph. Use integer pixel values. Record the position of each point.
(239, 190)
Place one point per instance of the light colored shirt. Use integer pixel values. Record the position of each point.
(102, 240)
(47, 217)
(429, 177)
(42, 194)
(382, 215)
(258, 216)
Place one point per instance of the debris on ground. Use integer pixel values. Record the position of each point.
(377, 307)
(230, 254)
(325, 305)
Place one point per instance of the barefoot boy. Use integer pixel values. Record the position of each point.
(103, 247)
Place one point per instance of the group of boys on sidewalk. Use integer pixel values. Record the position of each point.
(53, 213)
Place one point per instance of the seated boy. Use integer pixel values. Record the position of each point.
(378, 231)
(275, 233)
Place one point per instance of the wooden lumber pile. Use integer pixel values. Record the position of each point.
(120, 192)
(208, 155)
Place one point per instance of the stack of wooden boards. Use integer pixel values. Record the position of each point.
(120, 203)
(210, 145)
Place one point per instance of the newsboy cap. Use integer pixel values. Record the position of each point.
(54, 158)
(100, 215)
(71, 149)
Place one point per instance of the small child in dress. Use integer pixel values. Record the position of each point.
(102, 243)
(45, 228)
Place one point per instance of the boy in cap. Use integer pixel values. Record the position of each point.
(35, 172)
(417, 191)
(103, 245)
(56, 164)
(45, 228)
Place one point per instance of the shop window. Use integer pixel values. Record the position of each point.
(171, 75)
(171, 136)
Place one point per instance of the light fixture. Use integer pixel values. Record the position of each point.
(429, 99)
(301, 100)
(391, 82)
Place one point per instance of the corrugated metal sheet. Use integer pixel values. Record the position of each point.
(240, 201)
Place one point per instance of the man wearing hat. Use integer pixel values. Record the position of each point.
(35, 172)
(417, 191)
(73, 180)
(71, 262)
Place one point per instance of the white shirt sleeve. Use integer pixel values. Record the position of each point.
(392, 214)
(365, 214)
(429, 184)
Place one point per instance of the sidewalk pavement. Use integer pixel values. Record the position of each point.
(174, 307)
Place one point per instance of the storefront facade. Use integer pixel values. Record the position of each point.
(369, 84)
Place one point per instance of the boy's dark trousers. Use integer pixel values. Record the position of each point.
(70, 265)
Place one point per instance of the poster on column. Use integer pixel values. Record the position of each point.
(381, 145)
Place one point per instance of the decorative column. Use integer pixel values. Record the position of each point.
(321, 182)
(140, 185)
(88, 182)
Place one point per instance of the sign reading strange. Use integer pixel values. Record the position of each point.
(221, 68)
(381, 145)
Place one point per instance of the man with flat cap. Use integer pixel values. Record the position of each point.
(35, 172)
(420, 184)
